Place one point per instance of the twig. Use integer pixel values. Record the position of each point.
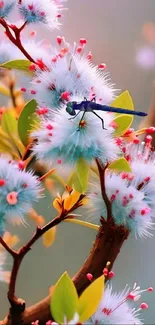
(8, 249)
(102, 171)
(13, 97)
(16, 40)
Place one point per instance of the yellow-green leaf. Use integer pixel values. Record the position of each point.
(49, 237)
(74, 182)
(90, 299)
(123, 101)
(25, 121)
(123, 124)
(83, 173)
(120, 165)
(64, 301)
(9, 123)
(22, 65)
(4, 91)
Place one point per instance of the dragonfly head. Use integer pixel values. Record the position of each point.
(70, 108)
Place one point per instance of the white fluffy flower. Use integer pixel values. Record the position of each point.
(6, 6)
(62, 139)
(115, 308)
(129, 207)
(4, 275)
(8, 52)
(74, 74)
(39, 11)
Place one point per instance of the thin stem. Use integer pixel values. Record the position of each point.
(16, 40)
(49, 173)
(102, 172)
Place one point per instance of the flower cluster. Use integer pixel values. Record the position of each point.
(37, 11)
(116, 308)
(131, 194)
(18, 191)
(6, 7)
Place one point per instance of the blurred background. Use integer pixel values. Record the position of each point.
(121, 34)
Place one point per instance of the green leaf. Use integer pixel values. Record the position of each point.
(22, 65)
(25, 121)
(123, 101)
(120, 165)
(74, 182)
(4, 91)
(123, 124)
(9, 124)
(64, 302)
(90, 299)
(83, 173)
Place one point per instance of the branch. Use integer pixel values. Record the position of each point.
(7, 248)
(16, 40)
(102, 171)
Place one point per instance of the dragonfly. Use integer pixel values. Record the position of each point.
(91, 106)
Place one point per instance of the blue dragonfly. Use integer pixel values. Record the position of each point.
(91, 106)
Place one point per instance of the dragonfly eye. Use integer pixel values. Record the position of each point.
(69, 108)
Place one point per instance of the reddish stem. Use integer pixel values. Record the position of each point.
(16, 40)
(8, 249)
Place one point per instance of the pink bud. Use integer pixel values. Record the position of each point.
(111, 275)
(65, 95)
(49, 127)
(21, 165)
(143, 305)
(23, 89)
(102, 66)
(105, 271)
(89, 276)
(148, 139)
(59, 161)
(150, 130)
(150, 289)
(147, 179)
(33, 92)
(89, 56)
(2, 182)
(79, 49)
(136, 141)
(83, 41)
(59, 39)
(59, 16)
(30, 7)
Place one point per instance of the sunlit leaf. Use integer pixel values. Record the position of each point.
(64, 302)
(90, 299)
(120, 165)
(26, 120)
(49, 237)
(71, 200)
(57, 204)
(123, 101)
(4, 91)
(74, 182)
(123, 124)
(83, 173)
(22, 65)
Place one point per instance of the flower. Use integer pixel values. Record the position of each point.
(73, 74)
(115, 308)
(6, 6)
(18, 190)
(129, 207)
(65, 139)
(38, 11)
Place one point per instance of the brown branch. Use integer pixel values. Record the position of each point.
(16, 40)
(12, 95)
(102, 171)
(106, 248)
(7, 248)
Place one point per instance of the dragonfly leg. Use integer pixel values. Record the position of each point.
(85, 98)
(72, 118)
(100, 119)
(93, 99)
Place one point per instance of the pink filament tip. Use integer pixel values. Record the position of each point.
(105, 271)
(150, 130)
(89, 56)
(83, 41)
(2, 182)
(33, 92)
(24, 90)
(1, 4)
(111, 275)
(21, 165)
(150, 289)
(144, 305)
(59, 39)
(89, 276)
(79, 49)
(49, 127)
(102, 66)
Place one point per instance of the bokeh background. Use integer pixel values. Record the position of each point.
(121, 34)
